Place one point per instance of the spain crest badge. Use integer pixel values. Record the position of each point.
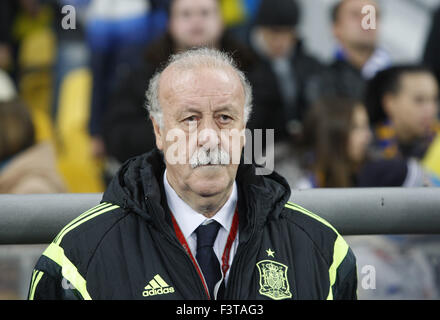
(273, 280)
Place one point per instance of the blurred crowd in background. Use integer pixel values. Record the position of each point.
(73, 76)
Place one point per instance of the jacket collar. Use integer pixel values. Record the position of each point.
(188, 219)
(139, 185)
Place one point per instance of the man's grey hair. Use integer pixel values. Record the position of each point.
(192, 59)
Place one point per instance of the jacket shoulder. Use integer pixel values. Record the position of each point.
(92, 224)
(332, 246)
(68, 255)
(80, 238)
(312, 224)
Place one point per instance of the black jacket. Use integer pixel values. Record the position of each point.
(116, 250)
(269, 109)
(340, 79)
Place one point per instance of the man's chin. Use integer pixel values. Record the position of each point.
(207, 191)
(365, 44)
(209, 167)
(208, 182)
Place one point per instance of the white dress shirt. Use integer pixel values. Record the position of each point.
(188, 220)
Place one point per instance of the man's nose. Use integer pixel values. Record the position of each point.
(208, 137)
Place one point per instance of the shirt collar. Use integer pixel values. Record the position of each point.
(188, 219)
(378, 61)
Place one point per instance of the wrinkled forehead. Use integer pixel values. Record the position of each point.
(178, 6)
(202, 82)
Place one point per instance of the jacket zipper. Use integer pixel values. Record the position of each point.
(233, 279)
(180, 247)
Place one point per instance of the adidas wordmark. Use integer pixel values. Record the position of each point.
(157, 286)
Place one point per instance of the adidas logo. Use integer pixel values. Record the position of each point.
(157, 286)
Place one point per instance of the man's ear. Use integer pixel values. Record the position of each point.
(157, 133)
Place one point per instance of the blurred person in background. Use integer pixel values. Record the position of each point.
(431, 59)
(335, 151)
(27, 33)
(336, 136)
(432, 48)
(116, 32)
(25, 166)
(72, 50)
(403, 103)
(18, 20)
(358, 56)
(283, 69)
(192, 23)
(403, 106)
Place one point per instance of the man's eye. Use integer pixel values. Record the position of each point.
(185, 14)
(225, 118)
(191, 119)
(205, 13)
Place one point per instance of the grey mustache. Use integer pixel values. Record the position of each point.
(204, 157)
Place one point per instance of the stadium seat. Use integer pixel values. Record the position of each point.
(82, 173)
(36, 59)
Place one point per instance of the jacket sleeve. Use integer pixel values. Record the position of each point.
(45, 287)
(345, 283)
(56, 278)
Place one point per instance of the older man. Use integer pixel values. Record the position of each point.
(189, 221)
(192, 23)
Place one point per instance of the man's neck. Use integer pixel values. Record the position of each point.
(404, 138)
(207, 206)
(358, 55)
